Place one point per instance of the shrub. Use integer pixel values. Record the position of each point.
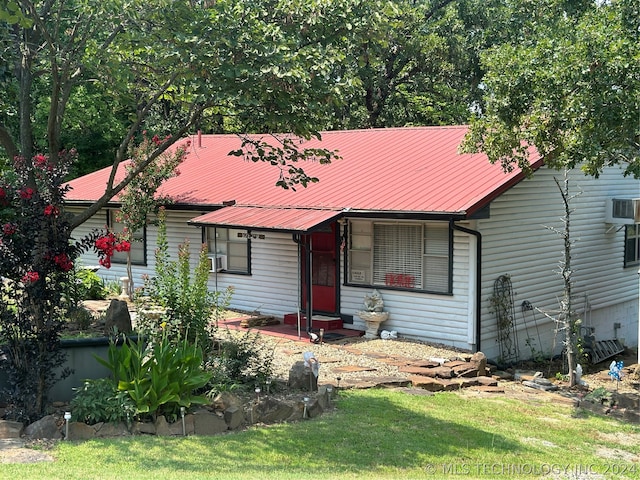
(91, 285)
(160, 377)
(239, 361)
(187, 301)
(100, 401)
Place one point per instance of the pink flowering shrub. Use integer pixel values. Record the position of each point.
(37, 256)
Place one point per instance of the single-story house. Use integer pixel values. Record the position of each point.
(462, 253)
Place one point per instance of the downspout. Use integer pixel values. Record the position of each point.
(478, 276)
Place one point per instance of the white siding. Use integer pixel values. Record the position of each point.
(518, 240)
(435, 318)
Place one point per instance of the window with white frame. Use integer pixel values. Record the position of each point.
(230, 246)
(138, 242)
(632, 245)
(400, 255)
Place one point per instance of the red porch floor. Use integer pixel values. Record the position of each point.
(290, 332)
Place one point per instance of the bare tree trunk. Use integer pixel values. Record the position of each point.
(567, 315)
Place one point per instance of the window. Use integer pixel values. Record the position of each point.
(406, 256)
(632, 245)
(138, 242)
(231, 245)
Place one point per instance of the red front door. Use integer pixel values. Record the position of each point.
(324, 291)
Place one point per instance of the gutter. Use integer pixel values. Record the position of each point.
(478, 276)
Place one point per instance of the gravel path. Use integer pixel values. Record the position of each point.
(354, 359)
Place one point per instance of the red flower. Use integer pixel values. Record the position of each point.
(26, 193)
(51, 210)
(63, 262)
(30, 277)
(40, 161)
(123, 246)
(105, 262)
(156, 140)
(8, 229)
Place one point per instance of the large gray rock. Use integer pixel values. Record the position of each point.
(112, 430)
(225, 400)
(234, 417)
(46, 427)
(302, 378)
(207, 423)
(272, 410)
(162, 426)
(118, 316)
(81, 431)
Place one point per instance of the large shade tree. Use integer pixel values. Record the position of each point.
(568, 82)
(262, 65)
(417, 62)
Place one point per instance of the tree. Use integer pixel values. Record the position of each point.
(263, 65)
(140, 199)
(568, 84)
(416, 63)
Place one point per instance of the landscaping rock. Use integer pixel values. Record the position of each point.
(162, 427)
(143, 427)
(302, 378)
(225, 400)
(427, 383)
(467, 370)
(118, 316)
(272, 410)
(176, 428)
(547, 387)
(81, 431)
(234, 417)
(46, 427)
(313, 408)
(479, 361)
(112, 430)
(9, 429)
(207, 423)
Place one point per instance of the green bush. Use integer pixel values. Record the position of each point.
(160, 377)
(239, 361)
(100, 401)
(182, 292)
(91, 285)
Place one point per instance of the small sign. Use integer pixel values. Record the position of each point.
(358, 276)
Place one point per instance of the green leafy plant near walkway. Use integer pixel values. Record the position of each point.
(100, 400)
(160, 377)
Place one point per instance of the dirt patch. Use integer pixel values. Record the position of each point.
(15, 450)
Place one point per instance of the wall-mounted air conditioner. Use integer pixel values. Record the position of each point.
(217, 263)
(623, 211)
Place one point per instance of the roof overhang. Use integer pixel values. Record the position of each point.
(293, 220)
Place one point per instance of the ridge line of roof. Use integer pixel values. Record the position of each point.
(356, 130)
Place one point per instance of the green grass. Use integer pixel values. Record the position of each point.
(374, 434)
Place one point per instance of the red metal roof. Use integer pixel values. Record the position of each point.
(270, 218)
(414, 170)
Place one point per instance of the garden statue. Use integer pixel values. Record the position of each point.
(373, 315)
(373, 302)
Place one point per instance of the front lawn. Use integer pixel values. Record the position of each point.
(373, 434)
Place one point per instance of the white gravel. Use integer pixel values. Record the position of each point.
(366, 358)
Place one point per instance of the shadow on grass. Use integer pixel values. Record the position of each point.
(375, 431)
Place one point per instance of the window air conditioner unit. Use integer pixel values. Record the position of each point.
(217, 263)
(623, 211)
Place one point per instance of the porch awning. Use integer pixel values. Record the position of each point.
(300, 220)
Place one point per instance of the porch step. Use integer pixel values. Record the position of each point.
(319, 321)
